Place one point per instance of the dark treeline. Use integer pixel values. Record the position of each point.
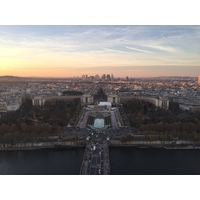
(161, 124)
(100, 95)
(34, 123)
(65, 93)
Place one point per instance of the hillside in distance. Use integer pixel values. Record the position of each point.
(11, 79)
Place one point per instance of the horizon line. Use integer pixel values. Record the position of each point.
(92, 75)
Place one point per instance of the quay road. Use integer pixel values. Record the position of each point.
(96, 158)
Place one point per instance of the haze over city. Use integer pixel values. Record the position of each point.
(67, 51)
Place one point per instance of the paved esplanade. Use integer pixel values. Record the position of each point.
(96, 157)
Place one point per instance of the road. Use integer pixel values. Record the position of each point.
(96, 157)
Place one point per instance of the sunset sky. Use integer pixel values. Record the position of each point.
(66, 51)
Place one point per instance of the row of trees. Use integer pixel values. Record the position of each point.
(58, 112)
(33, 123)
(163, 124)
(27, 128)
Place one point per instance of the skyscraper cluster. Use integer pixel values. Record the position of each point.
(97, 77)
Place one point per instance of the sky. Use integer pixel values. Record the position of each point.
(67, 51)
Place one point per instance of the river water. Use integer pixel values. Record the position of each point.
(133, 161)
(123, 161)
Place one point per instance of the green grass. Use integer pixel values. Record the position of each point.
(107, 120)
(90, 120)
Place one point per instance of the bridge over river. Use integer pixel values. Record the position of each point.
(96, 158)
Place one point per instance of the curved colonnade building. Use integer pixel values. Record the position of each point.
(89, 99)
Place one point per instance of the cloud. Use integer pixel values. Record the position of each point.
(113, 50)
(84, 46)
(163, 48)
(138, 50)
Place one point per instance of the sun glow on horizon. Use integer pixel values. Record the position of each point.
(68, 51)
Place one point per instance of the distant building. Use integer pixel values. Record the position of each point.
(97, 77)
(112, 77)
(38, 101)
(103, 77)
(199, 80)
(161, 103)
(3, 107)
(87, 98)
(13, 106)
(113, 98)
(108, 77)
(189, 107)
(105, 104)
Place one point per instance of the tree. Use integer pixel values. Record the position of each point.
(4, 128)
(13, 128)
(8, 137)
(24, 127)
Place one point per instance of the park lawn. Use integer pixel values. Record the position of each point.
(108, 120)
(90, 120)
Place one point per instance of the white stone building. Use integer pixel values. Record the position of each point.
(38, 101)
(113, 98)
(87, 98)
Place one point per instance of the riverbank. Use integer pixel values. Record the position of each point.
(42, 145)
(156, 144)
(112, 143)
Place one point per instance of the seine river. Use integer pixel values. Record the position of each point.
(123, 161)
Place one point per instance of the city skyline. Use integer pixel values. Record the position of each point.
(68, 51)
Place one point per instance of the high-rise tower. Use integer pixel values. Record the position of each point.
(112, 77)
